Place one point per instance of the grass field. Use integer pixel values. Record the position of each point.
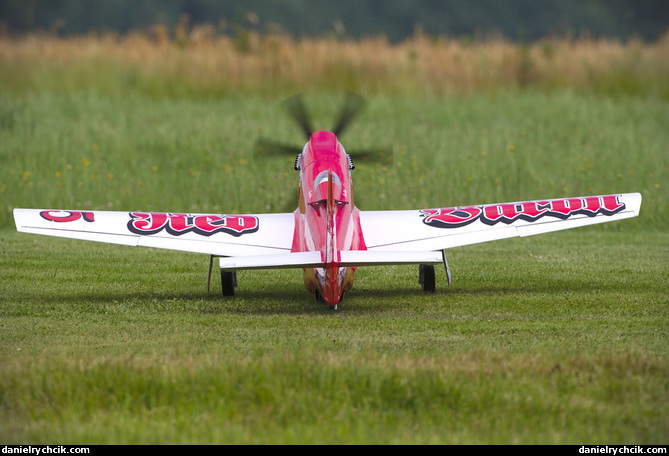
(555, 339)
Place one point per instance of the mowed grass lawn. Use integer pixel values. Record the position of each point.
(555, 339)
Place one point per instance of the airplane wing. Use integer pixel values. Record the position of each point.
(437, 229)
(213, 234)
(391, 237)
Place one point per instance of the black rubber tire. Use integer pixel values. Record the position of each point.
(228, 282)
(427, 278)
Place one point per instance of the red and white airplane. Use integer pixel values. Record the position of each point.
(327, 236)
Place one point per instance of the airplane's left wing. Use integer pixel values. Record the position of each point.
(437, 229)
(213, 234)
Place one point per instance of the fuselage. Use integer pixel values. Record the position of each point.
(326, 219)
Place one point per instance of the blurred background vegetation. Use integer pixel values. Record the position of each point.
(186, 48)
(396, 20)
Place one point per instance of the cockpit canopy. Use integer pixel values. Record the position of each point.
(321, 186)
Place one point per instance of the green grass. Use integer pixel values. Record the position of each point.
(560, 338)
(554, 339)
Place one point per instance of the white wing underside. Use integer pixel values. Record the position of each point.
(409, 233)
(392, 237)
(274, 234)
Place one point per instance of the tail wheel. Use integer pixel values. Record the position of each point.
(228, 282)
(426, 278)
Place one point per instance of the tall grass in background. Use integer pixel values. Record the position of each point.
(200, 62)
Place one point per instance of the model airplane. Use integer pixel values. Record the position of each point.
(327, 236)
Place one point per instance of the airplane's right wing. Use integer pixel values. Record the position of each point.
(437, 229)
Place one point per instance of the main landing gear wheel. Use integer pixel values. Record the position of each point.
(426, 278)
(228, 282)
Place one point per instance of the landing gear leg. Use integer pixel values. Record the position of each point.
(211, 263)
(448, 270)
(426, 278)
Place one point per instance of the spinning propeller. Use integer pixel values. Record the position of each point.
(296, 108)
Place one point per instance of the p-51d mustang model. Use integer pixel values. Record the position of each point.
(327, 235)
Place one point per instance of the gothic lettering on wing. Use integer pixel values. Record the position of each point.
(529, 211)
(177, 224)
